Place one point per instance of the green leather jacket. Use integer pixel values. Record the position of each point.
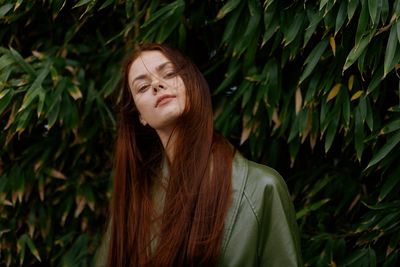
(260, 227)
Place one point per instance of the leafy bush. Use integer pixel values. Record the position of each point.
(308, 87)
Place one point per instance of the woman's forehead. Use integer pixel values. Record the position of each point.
(149, 60)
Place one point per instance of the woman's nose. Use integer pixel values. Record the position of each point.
(158, 86)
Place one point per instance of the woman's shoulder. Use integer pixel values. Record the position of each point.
(255, 175)
(262, 187)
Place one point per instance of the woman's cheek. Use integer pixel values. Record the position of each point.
(142, 105)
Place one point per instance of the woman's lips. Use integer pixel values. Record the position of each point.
(163, 99)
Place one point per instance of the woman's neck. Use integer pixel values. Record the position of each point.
(167, 138)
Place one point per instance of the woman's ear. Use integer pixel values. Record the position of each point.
(142, 121)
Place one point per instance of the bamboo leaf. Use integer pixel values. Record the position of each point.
(129, 8)
(247, 42)
(312, 87)
(313, 59)
(271, 23)
(358, 133)
(385, 206)
(390, 51)
(345, 100)
(332, 128)
(363, 108)
(391, 260)
(334, 91)
(4, 9)
(3, 93)
(5, 99)
(246, 130)
(53, 113)
(36, 88)
(162, 14)
(351, 8)
(22, 63)
(291, 32)
(356, 257)
(231, 25)
(315, 18)
(294, 130)
(57, 6)
(390, 127)
(341, 16)
(254, 7)
(322, 4)
(227, 8)
(298, 100)
(23, 120)
(384, 11)
(32, 247)
(304, 123)
(375, 80)
(31, 95)
(105, 4)
(374, 7)
(170, 25)
(56, 174)
(5, 61)
(356, 52)
(369, 119)
(21, 248)
(333, 45)
(388, 222)
(392, 141)
(362, 24)
(40, 105)
(350, 82)
(74, 92)
(82, 3)
(315, 206)
(390, 183)
(371, 257)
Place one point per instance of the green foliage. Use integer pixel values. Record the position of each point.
(309, 87)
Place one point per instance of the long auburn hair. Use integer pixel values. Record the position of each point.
(198, 192)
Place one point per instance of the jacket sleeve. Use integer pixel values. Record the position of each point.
(279, 241)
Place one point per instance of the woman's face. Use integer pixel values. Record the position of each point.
(158, 92)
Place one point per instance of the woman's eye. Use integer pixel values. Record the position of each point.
(143, 88)
(169, 74)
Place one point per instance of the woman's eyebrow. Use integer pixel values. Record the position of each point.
(162, 66)
(158, 68)
(140, 77)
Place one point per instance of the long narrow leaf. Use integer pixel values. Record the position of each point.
(351, 8)
(356, 52)
(341, 16)
(391, 182)
(313, 59)
(386, 149)
(391, 47)
(22, 63)
(227, 8)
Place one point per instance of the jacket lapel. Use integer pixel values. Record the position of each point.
(239, 178)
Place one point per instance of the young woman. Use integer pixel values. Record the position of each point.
(182, 196)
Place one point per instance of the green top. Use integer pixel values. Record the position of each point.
(260, 227)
